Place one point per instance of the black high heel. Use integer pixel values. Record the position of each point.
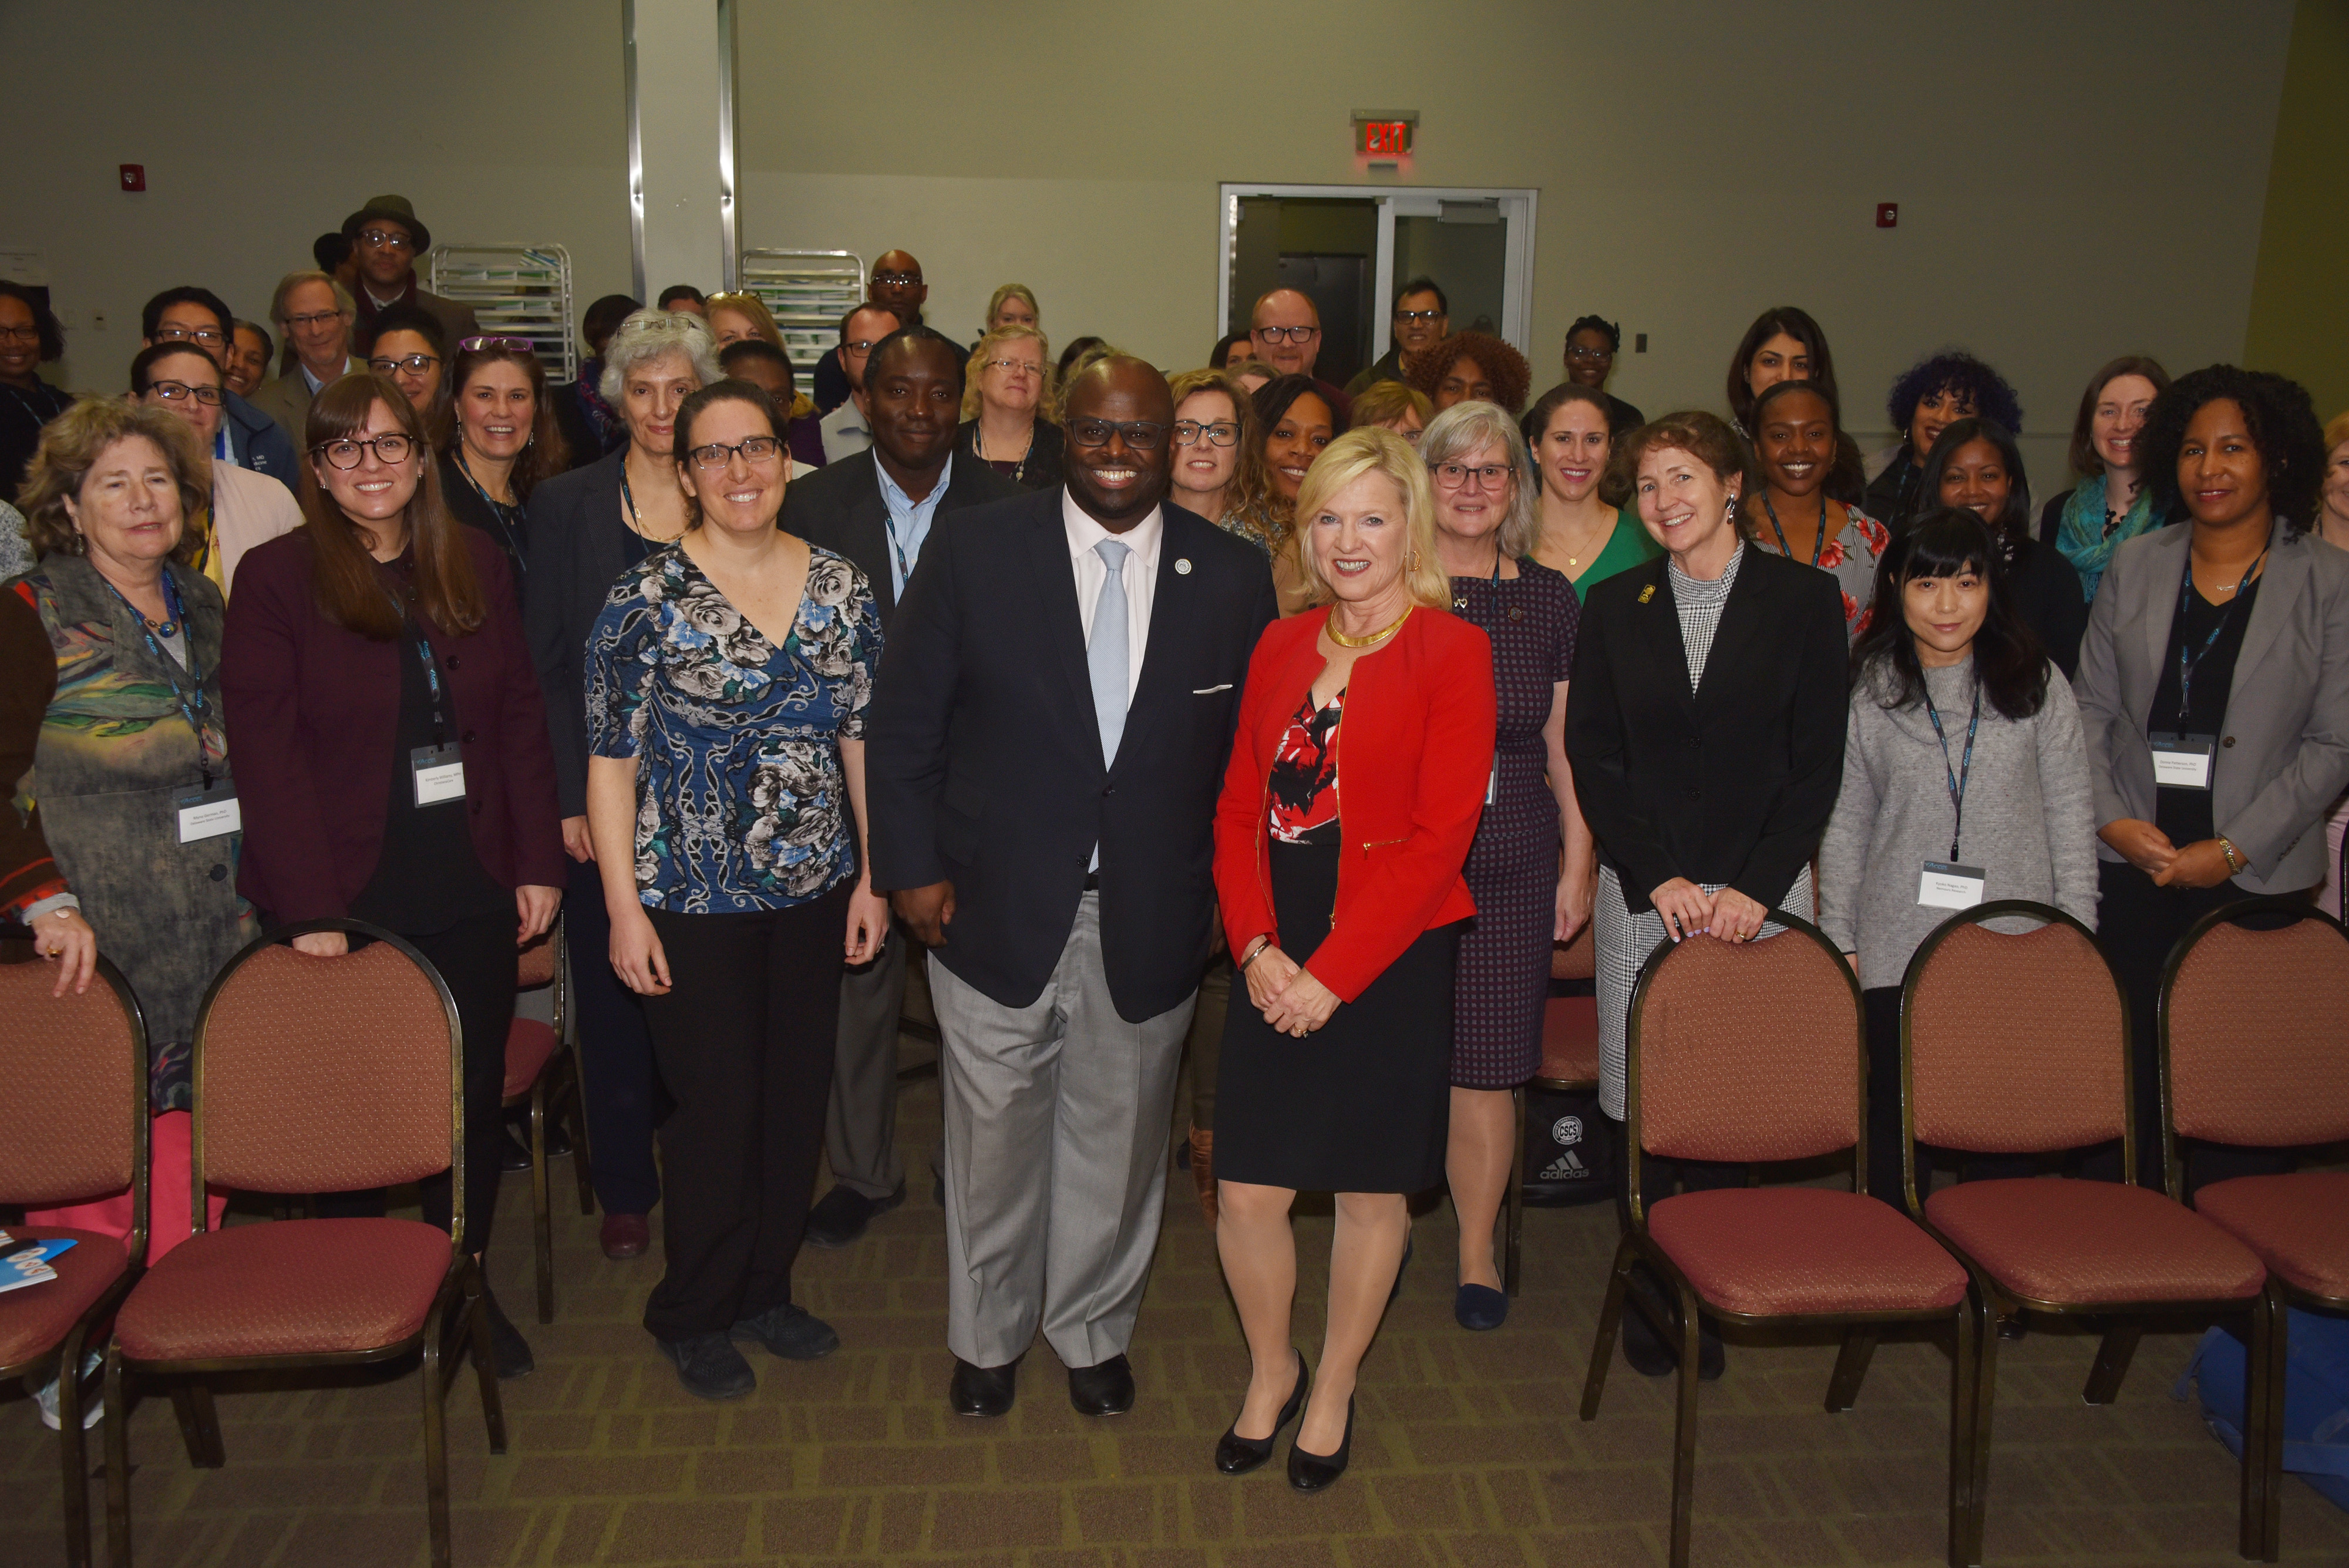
(1235, 1455)
(1318, 1472)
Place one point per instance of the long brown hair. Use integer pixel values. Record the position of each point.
(547, 453)
(342, 573)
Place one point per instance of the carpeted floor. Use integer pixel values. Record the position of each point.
(1468, 1451)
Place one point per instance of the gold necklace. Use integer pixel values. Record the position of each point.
(1343, 640)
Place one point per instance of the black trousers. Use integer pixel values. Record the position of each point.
(476, 957)
(744, 1040)
(620, 1088)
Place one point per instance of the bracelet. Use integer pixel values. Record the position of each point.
(2235, 861)
(1262, 945)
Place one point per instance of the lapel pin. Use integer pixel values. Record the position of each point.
(1647, 593)
(1182, 567)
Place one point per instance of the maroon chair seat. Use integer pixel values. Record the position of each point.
(1792, 1251)
(294, 1287)
(529, 1046)
(2050, 1239)
(2298, 1224)
(35, 1319)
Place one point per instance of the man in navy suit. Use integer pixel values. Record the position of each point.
(1045, 745)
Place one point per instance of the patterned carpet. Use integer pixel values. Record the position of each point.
(1468, 1451)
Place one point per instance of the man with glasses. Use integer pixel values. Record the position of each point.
(1043, 752)
(877, 505)
(1421, 317)
(897, 288)
(1286, 329)
(314, 313)
(246, 508)
(848, 430)
(386, 239)
(245, 436)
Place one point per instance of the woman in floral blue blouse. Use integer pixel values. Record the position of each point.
(727, 680)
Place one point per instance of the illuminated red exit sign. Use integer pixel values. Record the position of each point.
(1383, 134)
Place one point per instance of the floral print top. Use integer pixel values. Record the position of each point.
(740, 801)
(1849, 555)
(1302, 790)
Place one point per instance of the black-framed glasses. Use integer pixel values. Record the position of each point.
(1014, 366)
(1189, 432)
(1460, 475)
(1288, 334)
(1407, 316)
(388, 239)
(897, 279)
(1142, 435)
(204, 334)
(316, 319)
(414, 364)
(865, 346)
(754, 450)
(180, 392)
(390, 450)
(21, 334)
(1582, 354)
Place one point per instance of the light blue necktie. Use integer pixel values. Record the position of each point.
(1106, 654)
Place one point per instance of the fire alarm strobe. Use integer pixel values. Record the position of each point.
(134, 176)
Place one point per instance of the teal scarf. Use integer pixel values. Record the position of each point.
(2081, 537)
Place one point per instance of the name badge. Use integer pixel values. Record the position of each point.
(2183, 762)
(439, 773)
(1945, 886)
(208, 813)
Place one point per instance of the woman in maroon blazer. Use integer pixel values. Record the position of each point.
(391, 751)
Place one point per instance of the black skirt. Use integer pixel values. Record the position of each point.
(1363, 1103)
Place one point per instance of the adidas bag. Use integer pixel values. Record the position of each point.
(1570, 1149)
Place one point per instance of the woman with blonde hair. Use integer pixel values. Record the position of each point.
(1219, 460)
(1393, 406)
(1345, 920)
(1013, 305)
(736, 316)
(1005, 401)
(1529, 894)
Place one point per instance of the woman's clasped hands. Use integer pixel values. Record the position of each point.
(1291, 999)
(1688, 909)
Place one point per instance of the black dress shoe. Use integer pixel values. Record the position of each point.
(982, 1391)
(841, 1216)
(791, 1332)
(1106, 1389)
(710, 1367)
(1319, 1472)
(1479, 1308)
(1235, 1455)
(514, 1156)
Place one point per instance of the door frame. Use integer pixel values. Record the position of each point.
(1519, 206)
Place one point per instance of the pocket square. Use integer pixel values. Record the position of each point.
(1210, 690)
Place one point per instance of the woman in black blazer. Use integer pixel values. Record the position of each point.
(1705, 725)
(587, 527)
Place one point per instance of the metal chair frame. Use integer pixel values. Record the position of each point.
(67, 1353)
(2119, 1341)
(557, 1084)
(2262, 1531)
(1860, 1330)
(461, 1287)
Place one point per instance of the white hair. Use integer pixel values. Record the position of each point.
(1471, 427)
(648, 335)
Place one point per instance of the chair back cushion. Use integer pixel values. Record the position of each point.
(324, 1074)
(70, 1089)
(2258, 1036)
(1748, 1051)
(2016, 1044)
(536, 965)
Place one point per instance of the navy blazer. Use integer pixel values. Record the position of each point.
(839, 506)
(578, 550)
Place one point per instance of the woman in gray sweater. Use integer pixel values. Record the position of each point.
(1965, 779)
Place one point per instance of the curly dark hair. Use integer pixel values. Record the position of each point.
(2009, 661)
(1503, 366)
(2283, 424)
(1984, 389)
(45, 320)
(1597, 324)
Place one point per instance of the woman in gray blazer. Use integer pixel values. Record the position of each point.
(2214, 687)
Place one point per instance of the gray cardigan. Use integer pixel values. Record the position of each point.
(2029, 819)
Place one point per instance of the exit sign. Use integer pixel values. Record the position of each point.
(1384, 133)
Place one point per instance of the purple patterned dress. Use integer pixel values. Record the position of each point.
(1503, 977)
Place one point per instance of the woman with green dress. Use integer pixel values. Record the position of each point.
(1579, 532)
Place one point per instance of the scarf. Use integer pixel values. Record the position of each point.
(2081, 534)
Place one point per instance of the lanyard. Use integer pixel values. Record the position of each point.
(1964, 770)
(904, 567)
(1818, 544)
(190, 705)
(432, 668)
(498, 511)
(2187, 665)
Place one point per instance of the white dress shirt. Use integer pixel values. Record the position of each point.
(1141, 575)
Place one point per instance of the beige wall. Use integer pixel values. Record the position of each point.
(2300, 306)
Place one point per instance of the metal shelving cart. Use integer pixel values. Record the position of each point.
(516, 291)
(809, 292)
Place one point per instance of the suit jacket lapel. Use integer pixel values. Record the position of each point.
(868, 532)
(2280, 589)
(1659, 627)
(2160, 607)
(1063, 627)
(1172, 609)
(1740, 620)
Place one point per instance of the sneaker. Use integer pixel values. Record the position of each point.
(93, 1408)
(790, 1331)
(710, 1367)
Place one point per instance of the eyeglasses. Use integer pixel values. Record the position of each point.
(1190, 432)
(1288, 334)
(21, 334)
(1408, 317)
(1582, 356)
(860, 349)
(390, 450)
(1014, 366)
(896, 279)
(414, 364)
(1140, 434)
(386, 239)
(180, 392)
(717, 454)
(188, 335)
(316, 319)
(511, 345)
(1459, 475)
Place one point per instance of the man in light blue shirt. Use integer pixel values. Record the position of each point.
(848, 428)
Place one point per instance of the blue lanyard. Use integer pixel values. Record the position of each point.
(505, 523)
(2186, 666)
(904, 567)
(1964, 770)
(189, 706)
(1818, 546)
(432, 667)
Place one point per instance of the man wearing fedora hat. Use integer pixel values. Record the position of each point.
(386, 239)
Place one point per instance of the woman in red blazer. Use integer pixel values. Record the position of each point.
(391, 752)
(1361, 767)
